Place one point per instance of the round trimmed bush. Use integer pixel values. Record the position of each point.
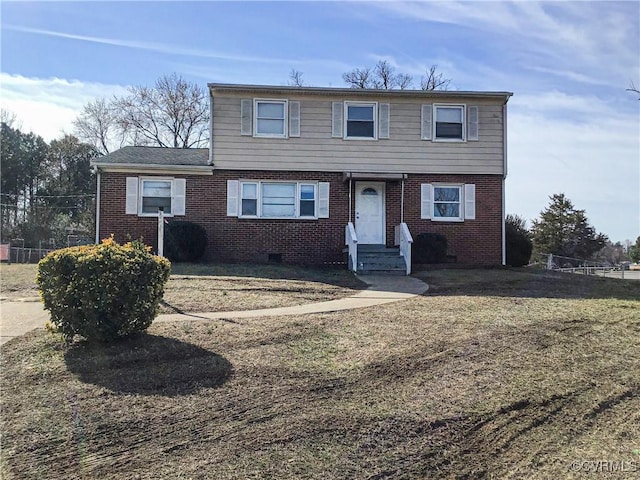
(184, 241)
(102, 292)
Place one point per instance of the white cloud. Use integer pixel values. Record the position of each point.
(48, 106)
(591, 153)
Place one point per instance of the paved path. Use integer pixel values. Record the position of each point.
(18, 318)
(382, 289)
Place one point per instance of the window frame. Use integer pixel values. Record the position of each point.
(374, 106)
(141, 196)
(297, 199)
(463, 110)
(285, 119)
(460, 202)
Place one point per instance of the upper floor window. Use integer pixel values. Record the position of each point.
(449, 122)
(360, 120)
(270, 118)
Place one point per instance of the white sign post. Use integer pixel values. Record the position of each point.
(160, 232)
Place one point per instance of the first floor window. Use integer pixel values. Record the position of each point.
(446, 202)
(250, 199)
(278, 199)
(156, 194)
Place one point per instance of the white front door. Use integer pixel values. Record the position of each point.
(370, 212)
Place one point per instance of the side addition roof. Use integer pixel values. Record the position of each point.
(155, 159)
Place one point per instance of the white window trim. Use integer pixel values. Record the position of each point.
(346, 119)
(141, 181)
(285, 120)
(463, 107)
(460, 217)
(297, 183)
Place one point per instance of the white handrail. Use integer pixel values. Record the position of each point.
(351, 240)
(405, 241)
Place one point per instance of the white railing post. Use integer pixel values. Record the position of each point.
(405, 241)
(351, 240)
(160, 232)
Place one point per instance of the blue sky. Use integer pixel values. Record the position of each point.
(572, 126)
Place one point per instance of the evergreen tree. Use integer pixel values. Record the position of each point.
(563, 230)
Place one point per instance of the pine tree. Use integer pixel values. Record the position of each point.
(563, 230)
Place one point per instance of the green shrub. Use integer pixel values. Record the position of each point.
(102, 292)
(518, 245)
(184, 241)
(429, 248)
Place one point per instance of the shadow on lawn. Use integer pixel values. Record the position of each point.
(148, 365)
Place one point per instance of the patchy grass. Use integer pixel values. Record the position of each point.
(224, 287)
(18, 280)
(492, 374)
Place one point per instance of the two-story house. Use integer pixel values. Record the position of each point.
(305, 175)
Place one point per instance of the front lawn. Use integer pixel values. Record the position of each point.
(220, 287)
(491, 374)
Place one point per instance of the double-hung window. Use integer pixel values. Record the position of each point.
(361, 120)
(155, 194)
(265, 199)
(270, 118)
(447, 202)
(449, 122)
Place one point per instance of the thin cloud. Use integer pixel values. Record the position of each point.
(155, 47)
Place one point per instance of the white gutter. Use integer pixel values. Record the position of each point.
(98, 207)
(210, 129)
(153, 168)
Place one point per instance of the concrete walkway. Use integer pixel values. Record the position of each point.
(382, 289)
(18, 318)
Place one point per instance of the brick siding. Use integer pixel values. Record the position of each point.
(318, 241)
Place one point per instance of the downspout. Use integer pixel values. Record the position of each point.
(350, 198)
(98, 206)
(210, 128)
(402, 202)
(504, 177)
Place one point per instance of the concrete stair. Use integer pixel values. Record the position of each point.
(380, 259)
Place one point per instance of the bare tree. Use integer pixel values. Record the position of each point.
(295, 78)
(98, 125)
(633, 89)
(434, 80)
(172, 113)
(358, 78)
(381, 77)
(10, 119)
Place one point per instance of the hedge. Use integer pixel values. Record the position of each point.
(102, 292)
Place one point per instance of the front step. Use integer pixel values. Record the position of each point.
(379, 259)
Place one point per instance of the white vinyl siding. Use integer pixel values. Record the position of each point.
(277, 199)
(448, 202)
(317, 149)
(146, 195)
